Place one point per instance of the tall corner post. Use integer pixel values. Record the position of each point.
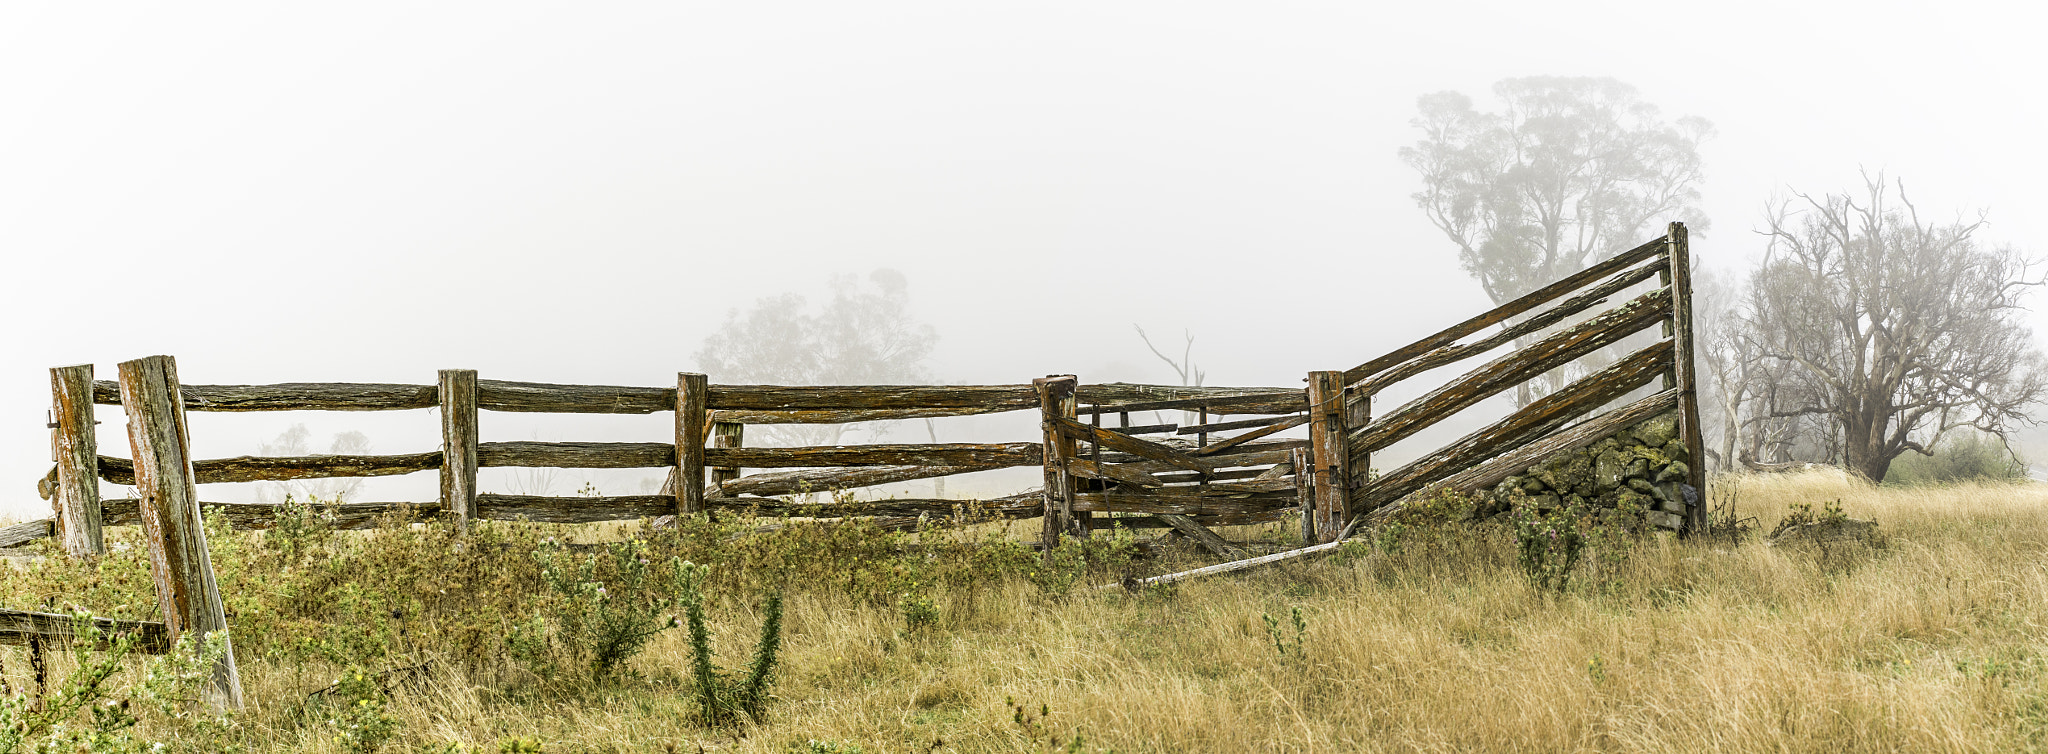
(77, 503)
(692, 420)
(458, 445)
(178, 556)
(1683, 376)
(1327, 436)
(1056, 400)
(726, 435)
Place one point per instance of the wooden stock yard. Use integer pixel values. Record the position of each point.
(1098, 466)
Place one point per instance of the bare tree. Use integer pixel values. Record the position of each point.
(1891, 329)
(1190, 374)
(1570, 171)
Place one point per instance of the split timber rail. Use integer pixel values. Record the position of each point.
(1245, 478)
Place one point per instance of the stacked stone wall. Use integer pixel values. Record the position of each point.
(1637, 476)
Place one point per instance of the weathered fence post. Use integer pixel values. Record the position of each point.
(726, 435)
(1305, 494)
(458, 445)
(178, 556)
(1682, 376)
(692, 394)
(1056, 400)
(77, 502)
(1327, 440)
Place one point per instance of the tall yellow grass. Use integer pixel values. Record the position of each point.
(1937, 641)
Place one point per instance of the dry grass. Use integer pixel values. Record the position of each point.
(1937, 641)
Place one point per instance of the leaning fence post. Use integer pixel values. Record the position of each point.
(1327, 440)
(178, 557)
(1682, 375)
(1056, 400)
(726, 435)
(77, 502)
(692, 394)
(458, 445)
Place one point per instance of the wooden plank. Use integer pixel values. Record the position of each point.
(1271, 429)
(1326, 447)
(21, 627)
(1056, 403)
(824, 480)
(1516, 461)
(577, 455)
(932, 454)
(126, 512)
(1504, 312)
(1253, 454)
(1110, 472)
(1190, 477)
(692, 391)
(16, 535)
(178, 557)
(1533, 421)
(1227, 426)
(1189, 502)
(1513, 369)
(851, 415)
(77, 503)
(280, 468)
(1143, 429)
(1304, 491)
(1684, 373)
(1455, 353)
(1125, 398)
(726, 434)
(870, 397)
(290, 396)
(1132, 445)
(1202, 536)
(548, 398)
(574, 510)
(458, 393)
(1222, 568)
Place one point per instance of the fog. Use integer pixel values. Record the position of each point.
(579, 193)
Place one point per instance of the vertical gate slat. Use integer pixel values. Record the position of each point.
(1682, 372)
(77, 502)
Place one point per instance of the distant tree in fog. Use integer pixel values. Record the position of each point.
(296, 440)
(863, 335)
(1888, 329)
(1569, 171)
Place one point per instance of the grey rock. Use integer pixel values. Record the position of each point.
(1642, 485)
(1658, 431)
(1608, 469)
(1675, 472)
(1664, 520)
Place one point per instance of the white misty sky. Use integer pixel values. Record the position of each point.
(578, 192)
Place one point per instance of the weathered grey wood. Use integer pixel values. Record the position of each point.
(1190, 477)
(458, 397)
(577, 455)
(1124, 398)
(1218, 447)
(1533, 421)
(20, 627)
(573, 510)
(1111, 472)
(1189, 502)
(1227, 426)
(1132, 445)
(290, 396)
(851, 415)
(178, 557)
(1516, 461)
(934, 454)
(279, 468)
(1057, 403)
(542, 397)
(126, 512)
(1221, 568)
(1304, 491)
(77, 503)
(1684, 372)
(1143, 429)
(1507, 371)
(726, 434)
(1332, 485)
(1201, 535)
(16, 535)
(1254, 454)
(823, 480)
(1454, 353)
(833, 397)
(1505, 312)
(692, 391)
